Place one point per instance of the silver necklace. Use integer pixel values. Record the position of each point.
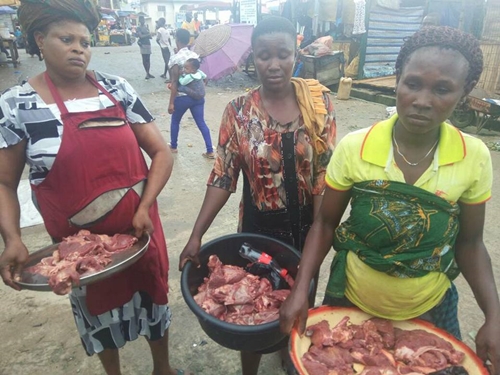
(404, 158)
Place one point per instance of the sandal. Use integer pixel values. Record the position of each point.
(172, 150)
(178, 371)
(207, 155)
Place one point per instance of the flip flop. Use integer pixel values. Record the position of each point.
(206, 155)
(173, 150)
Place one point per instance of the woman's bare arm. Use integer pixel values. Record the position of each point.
(12, 160)
(318, 244)
(151, 141)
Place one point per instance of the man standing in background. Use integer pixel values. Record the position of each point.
(144, 43)
(163, 39)
(197, 24)
(189, 25)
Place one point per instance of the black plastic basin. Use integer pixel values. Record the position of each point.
(254, 338)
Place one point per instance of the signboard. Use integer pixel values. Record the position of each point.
(248, 12)
(179, 19)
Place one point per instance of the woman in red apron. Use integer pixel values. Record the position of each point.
(82, 132)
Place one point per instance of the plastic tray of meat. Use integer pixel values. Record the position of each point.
(346, 340)
(119, 261)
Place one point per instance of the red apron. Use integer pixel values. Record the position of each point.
(93, 161)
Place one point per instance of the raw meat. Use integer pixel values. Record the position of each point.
(424, 350)
(379, 347)
(231, 294)
(331, 360)
(374, 370)
(84, 253)
(320, 334)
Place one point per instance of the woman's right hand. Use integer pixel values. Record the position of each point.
(11, 263)
(190, 252)
(294, 312)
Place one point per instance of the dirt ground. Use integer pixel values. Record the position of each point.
(37, 333)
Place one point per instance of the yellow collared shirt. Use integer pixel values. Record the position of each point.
(461, 171)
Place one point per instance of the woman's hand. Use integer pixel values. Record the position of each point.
(142, 222)
(190, 252)
(488, 345)
(171, 106)
(294, 312)
(11, 263)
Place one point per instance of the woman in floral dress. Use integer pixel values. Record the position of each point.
(281, 136)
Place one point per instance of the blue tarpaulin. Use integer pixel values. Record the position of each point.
(387, 29)
(7, 10)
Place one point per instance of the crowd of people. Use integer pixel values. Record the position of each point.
(417, 186)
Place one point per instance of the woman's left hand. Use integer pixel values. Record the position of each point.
(142, 222)
(488, 345)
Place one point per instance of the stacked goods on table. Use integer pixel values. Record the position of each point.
(233, 295)
(378, 348)
(79, 255)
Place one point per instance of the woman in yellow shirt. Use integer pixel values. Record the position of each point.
(418, 189)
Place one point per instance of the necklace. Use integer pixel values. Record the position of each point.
(404, 158)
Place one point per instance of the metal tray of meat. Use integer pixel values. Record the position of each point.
(119, 262)
(299, 345)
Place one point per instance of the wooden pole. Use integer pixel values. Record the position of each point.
(364, 41)
(315, 23)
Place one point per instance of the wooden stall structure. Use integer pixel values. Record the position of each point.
(490, 45)
(377, 56)
(490, 79)
(327, 69)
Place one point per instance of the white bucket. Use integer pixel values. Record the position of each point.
(4, 32)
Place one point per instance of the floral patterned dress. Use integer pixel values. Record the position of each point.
(253, 142)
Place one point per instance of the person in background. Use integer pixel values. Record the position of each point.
(144, 43)
(3, 49)
(189, 25)
(128, 36)
(191, 82)
(180, 102)
(19, 37)
(279, 137)
(165, 43)
(418, 189)
(106, 128)
(197, 24)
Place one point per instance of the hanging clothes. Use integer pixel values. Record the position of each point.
(359, 17)
(348, 12)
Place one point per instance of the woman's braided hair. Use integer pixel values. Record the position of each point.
(444, 37)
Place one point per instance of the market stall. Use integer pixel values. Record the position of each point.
(102, 33)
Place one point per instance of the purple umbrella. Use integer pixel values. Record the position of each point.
(223, 48)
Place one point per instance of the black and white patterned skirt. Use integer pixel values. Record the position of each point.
(111, 330)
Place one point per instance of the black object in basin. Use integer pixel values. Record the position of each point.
(233, 336)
